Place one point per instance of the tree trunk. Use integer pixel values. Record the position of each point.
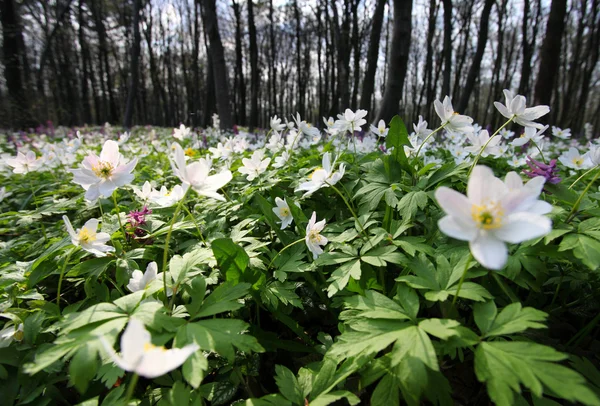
(550, 49)
(238, 82)
(134, 66)
(209, 14)
(368, 86)
(398, 63)
(447, 47)
(19, 115)
(476, 65)
(254, 73)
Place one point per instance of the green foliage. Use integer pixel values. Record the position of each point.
(393, 312)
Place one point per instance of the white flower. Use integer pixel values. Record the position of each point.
(533, 187)
(140, 281)
(515, 109)
(196, 175)
(574, 160)
(480, 140)
(181, 133)
(25, 163)
(145, 192)
(4, 194)
(451, 120)
(123, 138)
(322, 177)
(493, 214)
(381, 130)
(350, 121)
(167, 198)
(506, 134)
(593, 155)
(281, 160)
(276, 124)
(306, 128)
(459, 153)
(283, 212)
(329, 122)
(100, 176)
(139, 355)
(421, 128)
(275, 143)
(530, 134)
(255, 166)
(313, 238)
(517, 162)
(87, 238)
(560, 133)
(10, 334)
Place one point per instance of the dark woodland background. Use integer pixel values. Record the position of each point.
(163, 63)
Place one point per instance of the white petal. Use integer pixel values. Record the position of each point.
(133, 341)
(159, 361)
(478, 185)
(449, 226)
(455, 204)
(489, 251)
(70, 229)
(519, 227)
(110, 152)
(513, 181)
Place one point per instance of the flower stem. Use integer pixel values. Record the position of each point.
(460, 282)
(284, 248)
(541, 153)
(62, 274)
(34, 198)
(582, 176)
(195, 223)
(114, 196)
(428, 137)
(166, 249)
(486, 144)
(507, 291)
(578, 202)
(350, 208)
(131, 387)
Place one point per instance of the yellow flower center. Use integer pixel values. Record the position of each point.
(312, 174)
(315, 237)
(488, 216)
(284, 212)
(149, 347)
(577, 161)
(103, 169)
(86, 236)
(18, 335)
(189, 152)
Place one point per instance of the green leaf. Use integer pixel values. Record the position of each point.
(440, 328)
(397, 138)
(329, 398)
(93, 267)
(274, 399)
(288, 385)
(180, 266)
(83, 367)
(231, 258)
(222, 335)
(277, 292)
(504, 366)
(223, 299)
(386, 392)
(411, 202)
(194, 369)
(512, 319)
(340, 277)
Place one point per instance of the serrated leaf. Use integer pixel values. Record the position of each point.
(411, 202)
(512, 319)
(505, 366)
(340, 277)
(288, 385)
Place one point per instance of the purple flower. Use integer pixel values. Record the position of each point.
(548, 171)
(137, 218)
